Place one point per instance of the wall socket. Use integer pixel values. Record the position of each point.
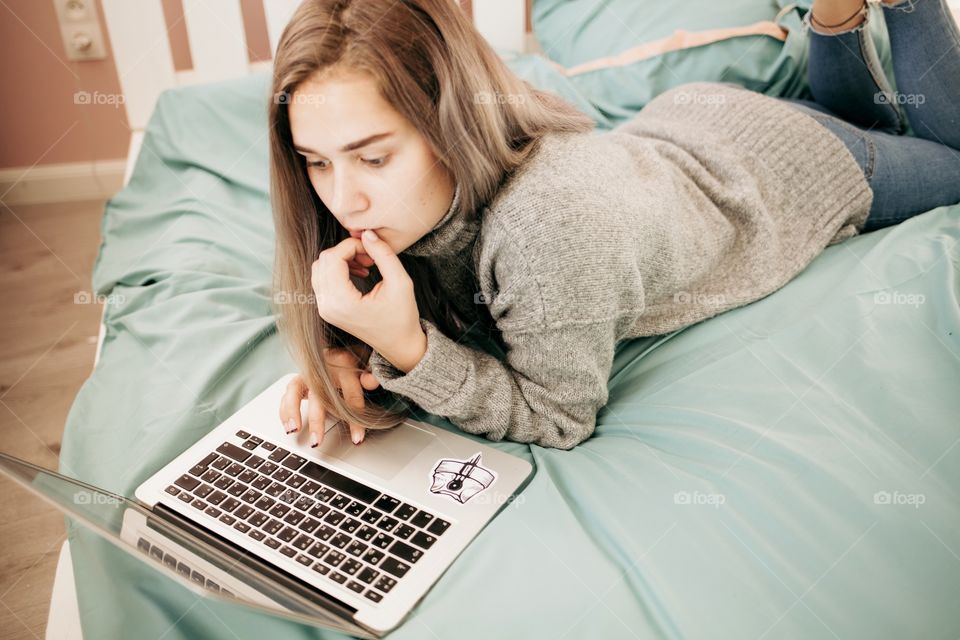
(80, 28)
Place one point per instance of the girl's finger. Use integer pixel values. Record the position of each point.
(317, 418)
(290, 404)
(353, 396)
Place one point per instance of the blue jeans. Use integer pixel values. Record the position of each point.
(854, 100)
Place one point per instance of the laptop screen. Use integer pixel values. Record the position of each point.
(179, 551)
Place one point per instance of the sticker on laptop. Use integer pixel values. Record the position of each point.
(461, 479)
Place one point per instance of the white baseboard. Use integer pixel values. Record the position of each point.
(67, 182)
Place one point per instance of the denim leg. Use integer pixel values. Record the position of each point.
(907, 175)
(925, 44)
(846, 76)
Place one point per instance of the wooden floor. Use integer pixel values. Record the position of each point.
(47, 346)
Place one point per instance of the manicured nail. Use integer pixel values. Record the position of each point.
(291, 425)
(313, 439)
(370, 234)
(357, 438)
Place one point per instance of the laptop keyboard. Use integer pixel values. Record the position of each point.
(346, 531)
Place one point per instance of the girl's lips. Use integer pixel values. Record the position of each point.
(357, 234)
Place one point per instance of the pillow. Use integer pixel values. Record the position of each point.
(619, 54)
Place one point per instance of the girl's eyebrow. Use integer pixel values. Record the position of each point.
(351, 146)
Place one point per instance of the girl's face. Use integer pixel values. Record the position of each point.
(368, 164)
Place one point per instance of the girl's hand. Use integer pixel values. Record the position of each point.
(387, 317)
(351, 387)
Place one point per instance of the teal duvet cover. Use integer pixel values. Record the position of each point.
(789, 469)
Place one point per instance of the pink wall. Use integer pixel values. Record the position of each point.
(40, 122)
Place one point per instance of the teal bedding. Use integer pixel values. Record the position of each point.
(788, 469)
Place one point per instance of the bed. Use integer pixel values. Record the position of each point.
(788, 469)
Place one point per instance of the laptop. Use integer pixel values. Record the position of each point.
(348, 537)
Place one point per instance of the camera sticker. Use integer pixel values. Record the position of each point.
(461, 479)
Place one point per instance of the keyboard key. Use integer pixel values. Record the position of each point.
(275, 489)
(227, 519)
(288, 551)
(273, 543)
(249, 445)
(373, 556)
(334, 518)
(186, 497)
(256, 439)
(404, 531)
(265, 503)
(438, 526)
(405, 511)
(325, 494)
(243, 434)
(367, 575)
(254, 462)
(340, 540)
(350, 566)
(304, 560)
(256, 534)
(269, 446)
(310, 487)
(257, 518)
(353, 585)
(321, 568)
(318, 549)
(187, 482)
(356, 548)
(278, 454)
(279, 510)
(334, 558)
(251, 496)
(281, 474)
(247, 476)
(197, 470)
(421, 519)
(303, 542)
(237, 489)
(371, 516)
(211, 476)
(293, 461)
(423, 540)
(339, 482)
(324, 532)
(212, 511)
(234, 470)
(230, 504)
(289, 496)
(319, 510)
(382, 541)
(355, 508)
(387, 523)
(340, 501)
(338, 577)
(207, 461)
(373, 595)
(294, 518)
(366, 532)
(273, 526)
(295, 481)
(233, 452)
(243, 512)
(386, 503)
(350, 525)
(261, 483)
(303, 503)
(172, 490)
(198, 504)
(309, 525)
(405, 552)
(220, 463)
(203, 491)
(268, 468)
(288, 534)
(242, 527)
(394, 566)
(385, 584)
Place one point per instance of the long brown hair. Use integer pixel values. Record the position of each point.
(436, 70)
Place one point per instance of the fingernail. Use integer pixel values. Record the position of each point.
(370, 234)
(357, 438)
(313, 439)
(291, 425)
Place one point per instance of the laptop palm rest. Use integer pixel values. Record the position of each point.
(383, 452)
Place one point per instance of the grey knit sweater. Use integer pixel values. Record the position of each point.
(710, 198)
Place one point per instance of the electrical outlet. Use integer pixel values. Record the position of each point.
(80, 28)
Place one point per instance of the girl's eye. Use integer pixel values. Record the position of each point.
(375, 162)
(315, 163)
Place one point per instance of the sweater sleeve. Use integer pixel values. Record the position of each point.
(547, 392)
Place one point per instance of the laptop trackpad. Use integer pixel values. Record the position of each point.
(383, 452)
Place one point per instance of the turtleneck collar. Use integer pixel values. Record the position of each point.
(451, 235)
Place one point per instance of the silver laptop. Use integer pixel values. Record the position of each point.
(349, 537)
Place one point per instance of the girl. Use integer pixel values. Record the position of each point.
(497, 212)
